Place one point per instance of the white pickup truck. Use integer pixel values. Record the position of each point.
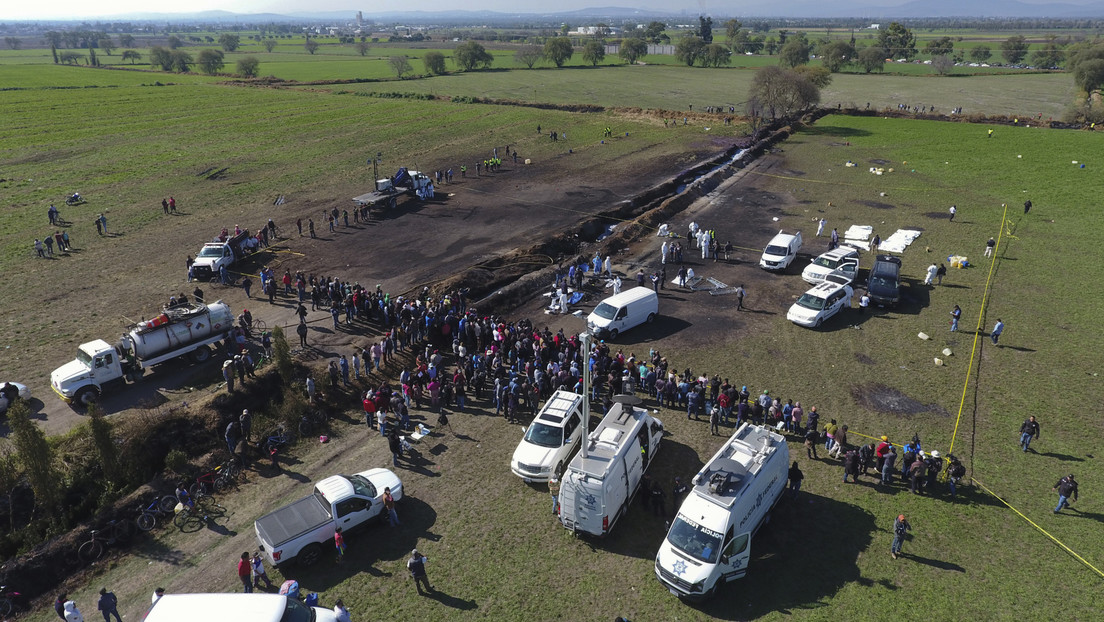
(302, 530)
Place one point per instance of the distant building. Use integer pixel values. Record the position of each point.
(874, 27)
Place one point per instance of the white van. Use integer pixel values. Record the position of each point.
(236, 607)
(710, 539)
(597, 488)
(623, 311)
(780, 251)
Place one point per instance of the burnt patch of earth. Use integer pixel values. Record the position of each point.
(864, 359)
(883, 399)
(876, 204)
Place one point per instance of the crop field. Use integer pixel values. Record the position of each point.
(495, 551)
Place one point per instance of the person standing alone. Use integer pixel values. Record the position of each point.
(416, 566)
(1029, 430)
(997, 330)
(1067, 489)
(108, 605)
(900, 528)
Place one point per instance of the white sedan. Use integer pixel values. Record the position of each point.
(9, 390)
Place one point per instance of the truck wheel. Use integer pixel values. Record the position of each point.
(559, 469)
(201, 354)
(819, 322)
(651, 318)
(613, 334)
(86, 397)
(309, 555)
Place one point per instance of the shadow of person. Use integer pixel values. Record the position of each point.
(934, 563)
(450, 601)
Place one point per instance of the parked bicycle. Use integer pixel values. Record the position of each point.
(313, 419)
(11, 600)
(215, 481)
(272, 443)
(192, 517)
(148, 515)
(115, 532)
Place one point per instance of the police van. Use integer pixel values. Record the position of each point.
(598, 487)
(709, 542)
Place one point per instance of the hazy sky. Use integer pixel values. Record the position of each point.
(77, 9)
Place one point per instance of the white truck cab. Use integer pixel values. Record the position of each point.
(237, 607)
(597, 488)
(781, 251)
(709, 542)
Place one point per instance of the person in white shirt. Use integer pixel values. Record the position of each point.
(932, 269)
(340, 611)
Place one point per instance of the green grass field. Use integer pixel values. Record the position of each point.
(497, 554)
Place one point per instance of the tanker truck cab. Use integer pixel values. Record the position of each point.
(97, 364)
(709, 542)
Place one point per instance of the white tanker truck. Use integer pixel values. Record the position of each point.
(178, 331)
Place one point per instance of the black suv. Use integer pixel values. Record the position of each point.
(884, 287)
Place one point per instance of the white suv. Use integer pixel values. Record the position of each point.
(842, 258)
(820, 303)
(551, 439)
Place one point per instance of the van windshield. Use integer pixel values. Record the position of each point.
(776, 250)
(605, 311)
(296, 611)
(544, 435)
(694, 540)
(810, 301)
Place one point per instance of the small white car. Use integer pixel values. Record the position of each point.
(820, 303)
(549, 442)
(9, 390)
(835, 259)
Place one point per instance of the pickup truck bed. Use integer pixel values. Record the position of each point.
(293, 520)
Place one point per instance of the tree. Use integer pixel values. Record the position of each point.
(400, 65)
(92, 60)
(836, 55)
(13, 42)
(744, 42)
(781, 92)
(270, 44)
(529, 55)
(229, 41)
(249, 67)
(53, 52)
(594, 52)
(1089, 75)
(470, 55)
(943, 64)
(897, 41)
(653, 32)
(871, 59)
(361, 48)
(211, 61)
(181, 61)
(311, 46)
(126, 41)
(106, 450)
(160, 57)
(716, 55)
(940, 47)
(434, 63)
(818, 76)
(795, 51)
(70, 58)
(981, 53)
(106, 44)
(37, 459)
(632, 50)
(281, 354)
(131, 55)
(174, 42)
(732, 32)
(705, 29)
(1014, 49)
(558, 50)
(689, 49)
(53, 37)
(770, 46)
(1050, 55)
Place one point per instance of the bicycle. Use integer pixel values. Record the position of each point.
(272, 443)
(116, 532)
(310, 419)
(258, 326)
(147, 515)
(214, 481)
(192, 517)
(10, 600)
